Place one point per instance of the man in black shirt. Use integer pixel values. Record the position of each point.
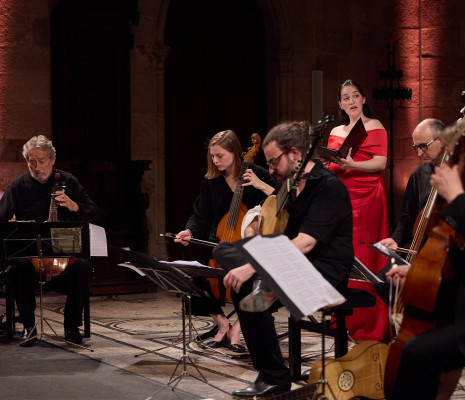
(320, 226)
(442, 349)
(28, 198)
(431, 150)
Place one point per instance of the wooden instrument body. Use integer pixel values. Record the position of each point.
(229, 227)
(430, 272)
(429, 291)
(226, 232)
(357, 374)
(50, 267)
(427, 217)
(272, 223)
(46, 268)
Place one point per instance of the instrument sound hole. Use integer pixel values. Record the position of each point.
(346, 380)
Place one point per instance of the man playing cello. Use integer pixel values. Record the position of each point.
(442, 349)
(29, 198)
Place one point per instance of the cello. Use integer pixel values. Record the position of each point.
(426, 293)
(418, 238)
(229, 227)
(422, 222)
(49, 267)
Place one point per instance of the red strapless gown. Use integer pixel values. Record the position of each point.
(370, 220)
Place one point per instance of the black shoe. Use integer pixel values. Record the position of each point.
(237, 348)
(28, 337)
(260, 389)
(214, 344)
(212, 332)
(259, 300)
(73, 335)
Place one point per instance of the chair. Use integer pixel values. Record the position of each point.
(356, 298)
(10, 308)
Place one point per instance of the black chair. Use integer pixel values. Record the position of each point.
(11, 317)
(356, 298)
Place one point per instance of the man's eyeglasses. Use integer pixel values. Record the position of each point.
(273, 163)
(423, 146)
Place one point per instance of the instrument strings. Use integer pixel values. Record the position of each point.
(419, 236)
(235, 206)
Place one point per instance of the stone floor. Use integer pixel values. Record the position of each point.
(142, 334)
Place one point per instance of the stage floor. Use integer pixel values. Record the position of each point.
(123, 328)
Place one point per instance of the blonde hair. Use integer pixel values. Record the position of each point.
(229, 141)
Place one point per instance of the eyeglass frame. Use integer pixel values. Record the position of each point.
(275, 163)
(423, 146)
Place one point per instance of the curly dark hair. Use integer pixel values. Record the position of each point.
(289, 134)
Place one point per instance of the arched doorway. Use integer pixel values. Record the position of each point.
(215, 79)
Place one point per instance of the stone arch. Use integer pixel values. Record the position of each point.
(147, 82)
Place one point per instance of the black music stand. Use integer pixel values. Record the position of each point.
(283, 292)
(44, 240)
(176, 278)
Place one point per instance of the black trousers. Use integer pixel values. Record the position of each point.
(423, 359)
(257, 328)
(75, 282)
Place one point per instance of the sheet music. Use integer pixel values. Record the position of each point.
(293, 273)
(183, 262)
(67, 240)
(98, 241)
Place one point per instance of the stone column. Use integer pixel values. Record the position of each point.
(148, 134)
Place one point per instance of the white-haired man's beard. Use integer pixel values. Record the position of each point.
(41, 176)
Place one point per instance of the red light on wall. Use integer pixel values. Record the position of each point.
(6, 11)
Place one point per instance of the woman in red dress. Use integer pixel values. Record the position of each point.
(362, 176)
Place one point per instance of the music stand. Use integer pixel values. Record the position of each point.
(176, 278)
(359, 272)
(278, 262)
(44, 240)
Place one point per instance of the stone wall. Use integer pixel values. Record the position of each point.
(343, 39)
(25, 91)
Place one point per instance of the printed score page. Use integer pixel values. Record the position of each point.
(300, 281)
(98, 241)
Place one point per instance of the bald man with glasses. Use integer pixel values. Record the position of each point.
(431, 151)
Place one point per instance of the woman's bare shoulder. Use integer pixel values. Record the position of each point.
(339, 131)
(372, 123)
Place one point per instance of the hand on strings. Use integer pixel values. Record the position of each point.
(183, 237)
(344, 163)
(390, 243)
(250, 179)
(63, 200)
(397, 274)
(237, 276)
(447, 182)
